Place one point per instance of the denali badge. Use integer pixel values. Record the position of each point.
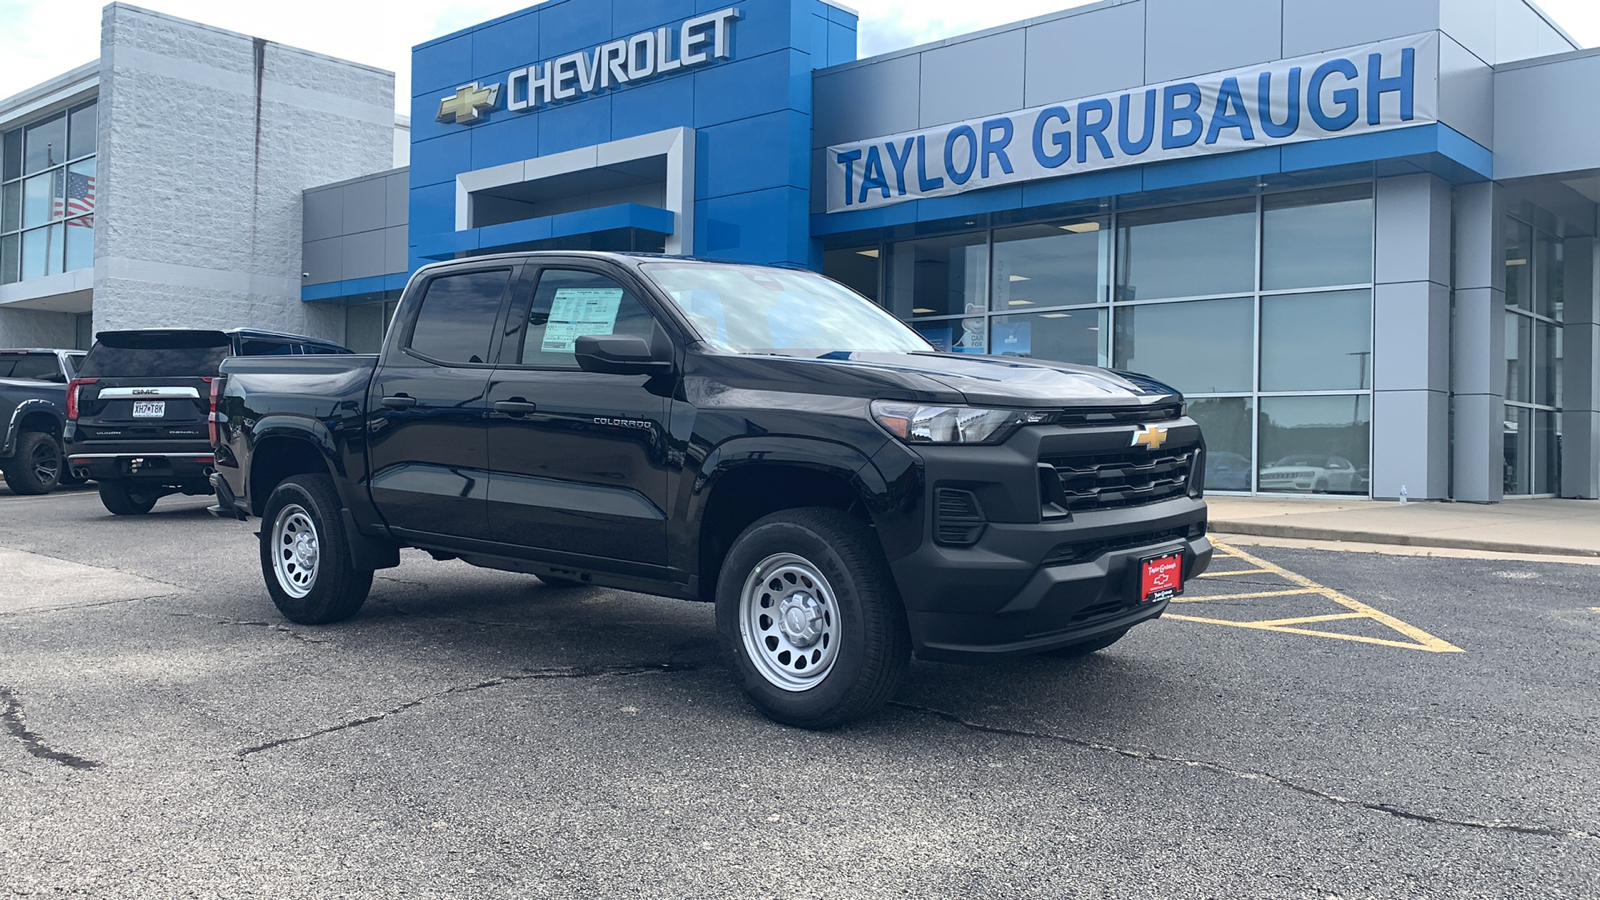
(1152, 436)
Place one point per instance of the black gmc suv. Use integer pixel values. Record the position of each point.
(136, 412)
(760, 438)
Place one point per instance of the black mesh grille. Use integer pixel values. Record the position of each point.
(1083, 551)
(1136, 415)
(958, 519)
(1132, 477)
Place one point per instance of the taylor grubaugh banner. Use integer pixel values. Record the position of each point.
(1375, 87)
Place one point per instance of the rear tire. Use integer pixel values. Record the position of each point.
(122, 500)
(305, 556)
(810, 619)
(36, 466)
(1076, 651)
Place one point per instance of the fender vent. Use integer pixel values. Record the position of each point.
(958, 518)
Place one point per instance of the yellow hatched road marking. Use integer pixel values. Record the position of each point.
(1420, 640)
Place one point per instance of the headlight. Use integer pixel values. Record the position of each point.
(948, 424)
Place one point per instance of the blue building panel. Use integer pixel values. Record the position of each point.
(750, 113)
(1207, 169)
(752, 155)
(438, 66)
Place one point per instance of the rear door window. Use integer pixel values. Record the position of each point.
(258, 347)
(194, 354)
(458, 315)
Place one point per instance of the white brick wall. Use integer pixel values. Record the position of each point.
(207, 139)
(36, 328)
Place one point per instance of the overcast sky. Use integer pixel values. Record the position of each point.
(40, 39)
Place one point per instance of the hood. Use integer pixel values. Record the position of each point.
(1010, 381)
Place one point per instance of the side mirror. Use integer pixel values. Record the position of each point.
(618, 354)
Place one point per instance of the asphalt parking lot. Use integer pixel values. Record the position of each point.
(1309, 724)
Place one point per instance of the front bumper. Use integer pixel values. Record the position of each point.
(1000, 598)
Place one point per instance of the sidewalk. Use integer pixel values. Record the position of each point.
(1556, 527)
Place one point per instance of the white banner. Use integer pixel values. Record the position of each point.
(1377, 87)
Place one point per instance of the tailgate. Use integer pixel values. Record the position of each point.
(158, 408)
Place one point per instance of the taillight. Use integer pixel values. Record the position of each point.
(72, 396)
(211, 417)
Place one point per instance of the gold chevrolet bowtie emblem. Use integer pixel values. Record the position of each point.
(1152, 436)
(469, 103)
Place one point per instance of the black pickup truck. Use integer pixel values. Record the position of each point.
(33, 411)
(756, 437)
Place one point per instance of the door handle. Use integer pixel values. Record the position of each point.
(399, 401)
(516, 406)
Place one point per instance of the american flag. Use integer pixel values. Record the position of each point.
(79, 196)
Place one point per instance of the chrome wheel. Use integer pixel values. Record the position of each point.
(46, 462)
(789, 621)
(295, 550)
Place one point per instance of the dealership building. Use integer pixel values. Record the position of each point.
(1359, 236)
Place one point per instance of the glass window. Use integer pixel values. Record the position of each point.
(1548, 471)
(1549, 272)
(1549, 354)
(946, 334)
(1075, 336)
(1518, 450)
(10, 258)
(1206, 248)
(855, 268)
(1225, 422)
(80, 140)
(456, 321)
(258, 347)
(1058, 264)
(1202, 347)
(942, 276)
(1316, 444)
(41, 252)
(364, 327)
(1519, 358)
(1317, 238)
(1519, 254)
(12, 167)
(568, 305)
(31, 366)
(1316, 342)
(44, 144)
(80, 188)
(80, 243)
(39, 199)
(11, 207)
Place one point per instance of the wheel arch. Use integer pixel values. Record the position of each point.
(747, 479)
(286, 446)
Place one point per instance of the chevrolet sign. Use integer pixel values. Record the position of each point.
(645, 55)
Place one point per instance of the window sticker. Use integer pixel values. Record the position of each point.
(579, 311)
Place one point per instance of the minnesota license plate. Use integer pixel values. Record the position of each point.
(1160, 578)
(149, 409)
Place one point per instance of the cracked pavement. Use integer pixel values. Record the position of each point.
(163, 732)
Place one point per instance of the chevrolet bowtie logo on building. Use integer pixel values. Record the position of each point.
(1152, 436)
(469, 103)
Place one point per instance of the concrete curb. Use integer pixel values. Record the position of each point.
(1310, 533)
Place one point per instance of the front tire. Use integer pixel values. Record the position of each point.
(305, 556)
(121, 499)
(810, 619)
(36, 466)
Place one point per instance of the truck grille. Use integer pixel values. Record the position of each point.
(1115, 480)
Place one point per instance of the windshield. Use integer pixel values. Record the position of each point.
(756, 309)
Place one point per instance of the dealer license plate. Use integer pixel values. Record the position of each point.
(149, 409)
(1160, 578)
